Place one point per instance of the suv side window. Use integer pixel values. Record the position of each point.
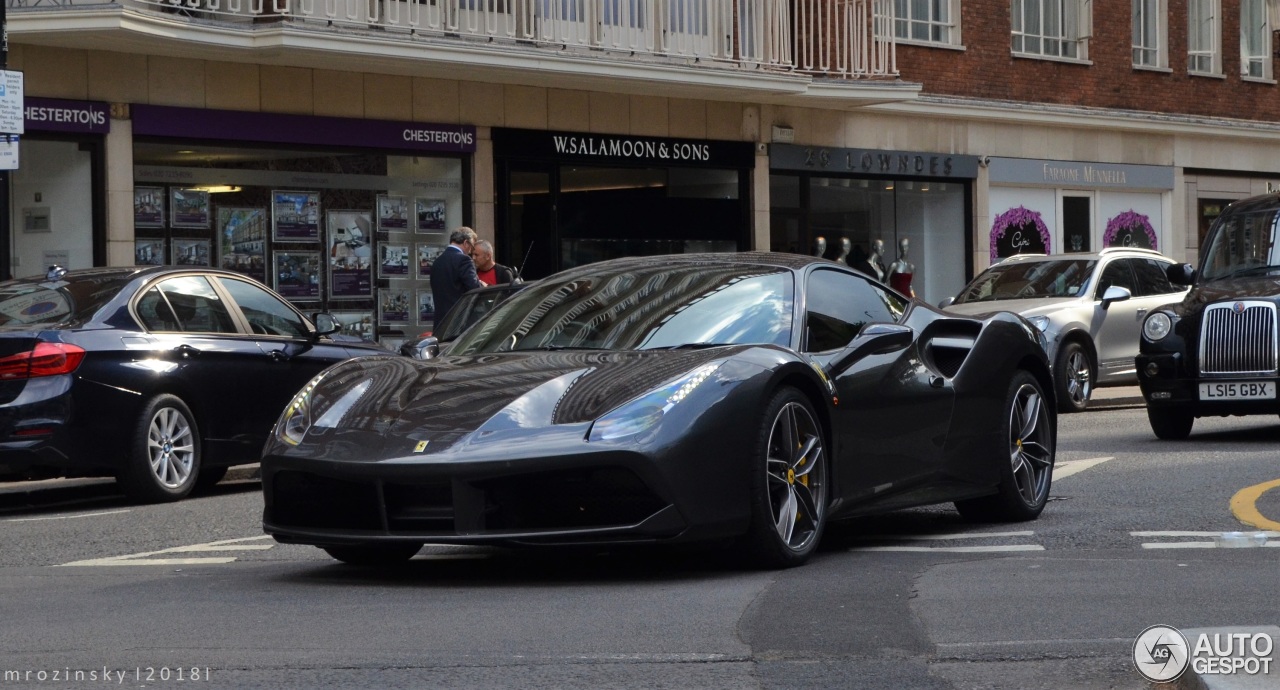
(838, 305)
(1151, 278)
(1116, 273)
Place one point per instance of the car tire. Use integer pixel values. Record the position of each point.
(377, 554)
(164, 456)
(1025, 450)
(788, 483)
(1073, 377)
(1170, 423)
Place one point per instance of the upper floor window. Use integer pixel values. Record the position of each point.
(1149, 33)
(1204, 52)
(1051, 28)
(1255, 40)
(929, 21)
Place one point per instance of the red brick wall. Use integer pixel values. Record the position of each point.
(987, 68)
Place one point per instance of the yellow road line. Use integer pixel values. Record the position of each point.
(1244, 505)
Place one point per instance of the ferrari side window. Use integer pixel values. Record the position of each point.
(839, 305)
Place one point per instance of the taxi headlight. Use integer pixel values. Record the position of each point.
(1157, 326)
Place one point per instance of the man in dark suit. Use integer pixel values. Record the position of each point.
(454, 273)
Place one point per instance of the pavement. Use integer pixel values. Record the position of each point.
(1116, 397)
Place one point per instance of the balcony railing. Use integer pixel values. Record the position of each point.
(834, 38)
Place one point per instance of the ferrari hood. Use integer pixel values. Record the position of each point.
(443, 400)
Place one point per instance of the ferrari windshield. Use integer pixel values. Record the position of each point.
(641, 308)
(1243, 244)
(1030, 280)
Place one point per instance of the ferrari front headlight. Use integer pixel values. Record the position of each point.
(296, 420)
(645, 412)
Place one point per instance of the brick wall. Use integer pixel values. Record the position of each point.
(987, 68)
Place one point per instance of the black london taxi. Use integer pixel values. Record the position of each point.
(1214, 353)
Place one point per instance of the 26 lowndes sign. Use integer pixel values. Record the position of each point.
(872, 162)
(623, 149)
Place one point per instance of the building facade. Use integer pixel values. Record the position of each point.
(327, 149)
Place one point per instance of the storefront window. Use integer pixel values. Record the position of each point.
(350, 233)
(846, 216)
(53, 215)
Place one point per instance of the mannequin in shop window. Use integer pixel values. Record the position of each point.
(873, 265)
(839, 252)
(819, 246)
(900, 271)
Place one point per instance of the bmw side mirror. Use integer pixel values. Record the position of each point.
(1115, 293)
(873, 339)
(1180, 274)
(427, 347)
(326, 324)
(946, 302)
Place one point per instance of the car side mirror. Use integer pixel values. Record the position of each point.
(326, 323)
(426, 347)
(946, 302)
(1180, 274)
(1115, 293)
(873, 339)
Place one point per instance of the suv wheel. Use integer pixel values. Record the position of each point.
(1073, 377)
(1170, 423)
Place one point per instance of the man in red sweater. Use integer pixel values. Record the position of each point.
(489, 271)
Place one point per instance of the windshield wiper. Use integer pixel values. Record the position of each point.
(689, 346)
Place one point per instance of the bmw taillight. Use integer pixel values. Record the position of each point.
(47, 359)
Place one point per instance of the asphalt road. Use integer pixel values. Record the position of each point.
(915, 599)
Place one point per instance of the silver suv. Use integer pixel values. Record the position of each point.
(1090, 307)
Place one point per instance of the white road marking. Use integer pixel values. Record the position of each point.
(145, 558)
(69, 517)
(1184, 533)
(928, 537)
(1066, 468)
(1179, 545)
(956, 549)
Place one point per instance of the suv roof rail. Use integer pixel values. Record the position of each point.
(1112, 250)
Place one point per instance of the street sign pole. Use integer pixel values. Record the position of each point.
(6, 225)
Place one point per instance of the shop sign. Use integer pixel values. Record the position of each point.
(58, 115)
(277, 128)
(622, 149)
(871, 162)
(1078, 174)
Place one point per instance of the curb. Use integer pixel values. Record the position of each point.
(48, 493)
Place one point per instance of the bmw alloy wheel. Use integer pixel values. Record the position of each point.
(797, 485)
(1030, 444)
(171, 446)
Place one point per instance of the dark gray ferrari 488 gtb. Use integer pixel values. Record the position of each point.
(670, 399)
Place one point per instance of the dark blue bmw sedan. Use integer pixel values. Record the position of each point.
(162, 377)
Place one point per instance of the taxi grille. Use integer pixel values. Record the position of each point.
(1238, 339)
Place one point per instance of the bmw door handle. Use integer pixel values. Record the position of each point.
(185, 351)
(278, 355)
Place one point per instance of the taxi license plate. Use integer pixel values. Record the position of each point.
(1238, 390)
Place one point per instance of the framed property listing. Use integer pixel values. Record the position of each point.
(297, 274)
(295, 216)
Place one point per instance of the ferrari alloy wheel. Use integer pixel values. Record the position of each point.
(165, 457)
(789, 501)
(1170, 423)
(378, 554)
(1073, 375)
(1026, 457)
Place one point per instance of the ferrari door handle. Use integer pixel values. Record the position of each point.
(1141, 313)
(186, 351)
